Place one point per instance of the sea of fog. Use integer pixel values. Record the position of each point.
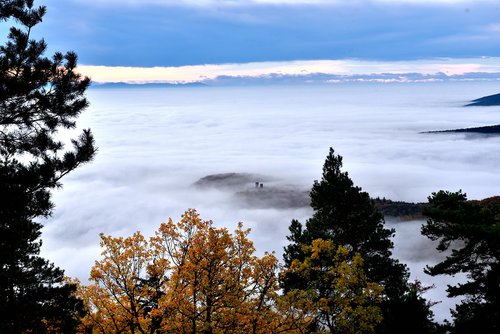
(155, 143)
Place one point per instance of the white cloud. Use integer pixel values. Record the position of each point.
(493, 28)
(340, 67)
(154, 143)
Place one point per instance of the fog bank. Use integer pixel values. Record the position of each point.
(154, 144)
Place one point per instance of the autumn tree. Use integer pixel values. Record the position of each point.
(191, 277)
(344, 214)
(118, 303)
(469, 231)
(337, 293)
(38, 96)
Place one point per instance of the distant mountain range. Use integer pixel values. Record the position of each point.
(113, 85)
(322, 78)
(311, 78)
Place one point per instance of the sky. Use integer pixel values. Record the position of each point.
(125, 37)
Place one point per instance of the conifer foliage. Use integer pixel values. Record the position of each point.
(346, 215)
(337, 294)
(471, 230)
(38, 96)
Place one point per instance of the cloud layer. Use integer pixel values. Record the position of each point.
(197, 73)
(155, 143)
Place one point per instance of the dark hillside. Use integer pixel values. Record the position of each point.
(487, 130)
(490, 100)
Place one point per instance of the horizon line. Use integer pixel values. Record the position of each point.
(339, 67)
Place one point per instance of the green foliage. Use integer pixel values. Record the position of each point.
(336, 293)
(401, 210)
(38, 96)
(471, 230)
(346, 215)
(410, 314)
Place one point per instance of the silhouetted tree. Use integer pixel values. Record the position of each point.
(471, 229)
(346, 215)
(38, 96)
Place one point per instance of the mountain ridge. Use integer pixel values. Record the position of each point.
(485, 101)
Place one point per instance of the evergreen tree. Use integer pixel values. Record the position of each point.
(337, 293)
(346, 215)
(471, 229)
(38, 96)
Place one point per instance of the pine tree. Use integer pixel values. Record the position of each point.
(471, 230)
(38, 96)
(337, 294)
(345, 214)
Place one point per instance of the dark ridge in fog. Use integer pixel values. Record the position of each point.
(404, 211)
(490, 100)
(487, 130)
(230, 180)
(262, 192)
(257, 191)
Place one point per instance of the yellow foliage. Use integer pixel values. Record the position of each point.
(190, 277)
(339, 297)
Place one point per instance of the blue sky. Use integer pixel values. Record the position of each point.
(173, 33)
